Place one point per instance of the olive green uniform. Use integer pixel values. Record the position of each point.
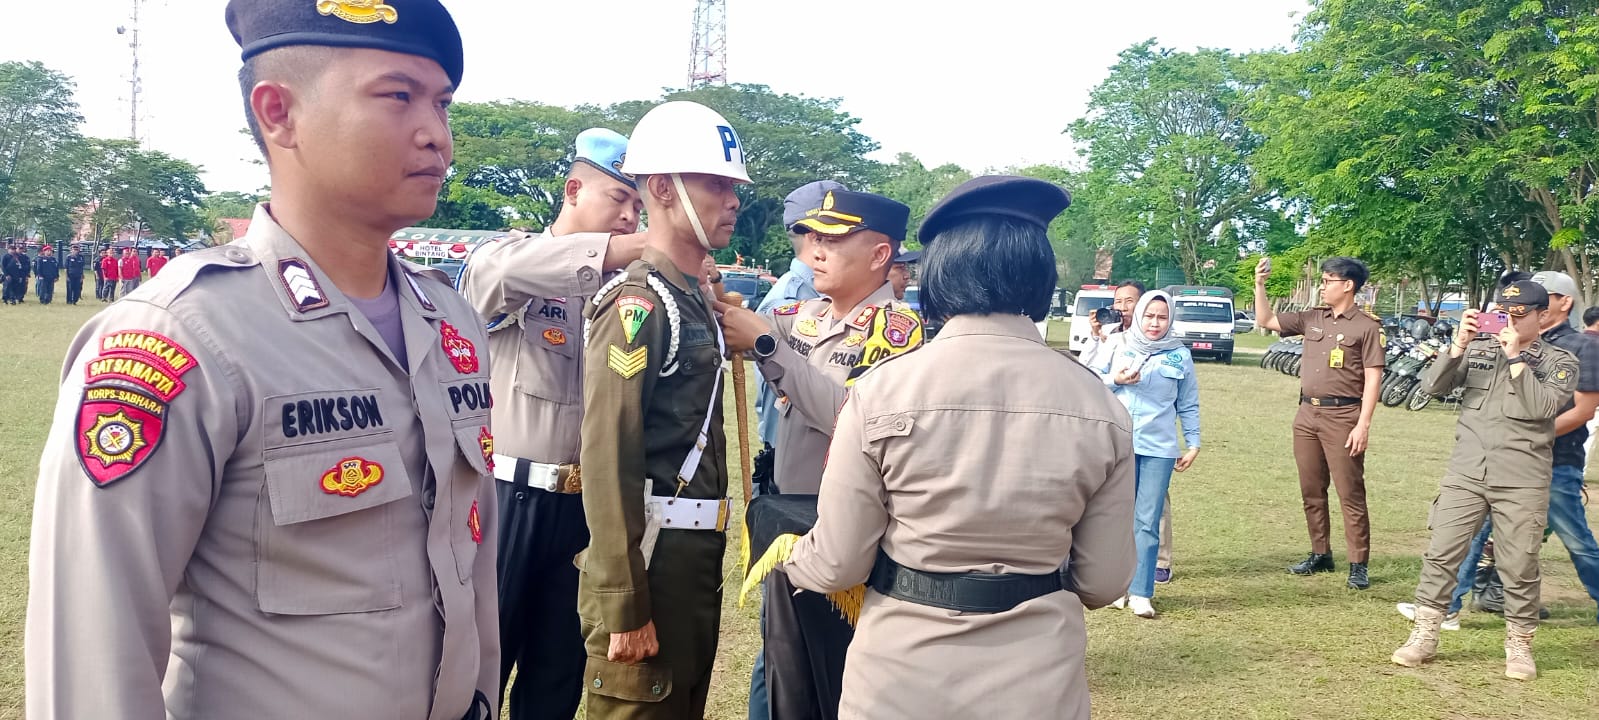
(653, 362)
(1501, 465)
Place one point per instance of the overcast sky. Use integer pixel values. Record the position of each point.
(985, 84)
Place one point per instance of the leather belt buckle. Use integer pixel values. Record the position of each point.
(1315, 402)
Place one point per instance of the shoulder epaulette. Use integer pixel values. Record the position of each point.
(180, 273)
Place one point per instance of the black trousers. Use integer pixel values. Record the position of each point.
(540, 635)
(74, 289)
(806, 640)
(45, 289)
(16, 289)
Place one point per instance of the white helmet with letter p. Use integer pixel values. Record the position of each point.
(685, 137)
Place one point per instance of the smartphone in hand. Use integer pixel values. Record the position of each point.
(1492, 323)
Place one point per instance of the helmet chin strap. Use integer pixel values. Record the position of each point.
(693, 215)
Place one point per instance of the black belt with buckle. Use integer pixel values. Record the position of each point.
(965, 592)
(568, 481)
(1329, 401)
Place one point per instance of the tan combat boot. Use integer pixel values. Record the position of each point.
(1422, 646)
(1518, 652)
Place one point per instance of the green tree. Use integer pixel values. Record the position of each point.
(1168, 149)
(146, 191)
(918, 186)
(39, 146)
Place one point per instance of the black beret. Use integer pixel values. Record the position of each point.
(843, 212)
(413, 27)
(1024, 198)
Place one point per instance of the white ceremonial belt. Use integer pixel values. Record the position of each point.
(542, 476)
(680, 513)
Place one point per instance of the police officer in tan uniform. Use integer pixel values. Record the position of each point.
(265, 492)
(1341, 375)
(653, 447)
(854, 244)
(1515, 383)
(532, 289)
(806, 350)
(974, 557)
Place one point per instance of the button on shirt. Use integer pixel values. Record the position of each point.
(1357, 334)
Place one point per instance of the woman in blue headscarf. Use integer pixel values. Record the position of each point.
(1153, 375)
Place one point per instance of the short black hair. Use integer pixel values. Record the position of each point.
(988, 264)
(1136, 285)
(1513, 276)
(295, 63)
(1347, 268)
(1590, 316)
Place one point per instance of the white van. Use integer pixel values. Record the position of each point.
(1089, 299)
(1203, 320)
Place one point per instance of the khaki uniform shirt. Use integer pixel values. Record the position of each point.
(639, 423)
(814, 356)
(934, 463)
(1506, 433)
(248, 509)
(1338, 349)
(532, 291)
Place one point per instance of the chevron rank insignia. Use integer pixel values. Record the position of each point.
(627, 364)
(301, 285)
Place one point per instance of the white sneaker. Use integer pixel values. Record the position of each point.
(1141, 606)
(1451, 621)
(1120, 603)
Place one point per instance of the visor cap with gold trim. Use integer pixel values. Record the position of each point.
(1520, 298)
(843, 212)
(413, 27)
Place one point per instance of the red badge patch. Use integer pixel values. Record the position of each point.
(864, 319)
(899, 328)
(789, 309)
(475, 525)
(554, 337)
(351, 477)
(461, 351)
(118, 429)
(485, 439)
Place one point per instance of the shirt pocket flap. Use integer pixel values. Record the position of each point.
(477, 444)
(307, 483)
(551, 336)
(1174, 372)
(887, 426)
(633, 683)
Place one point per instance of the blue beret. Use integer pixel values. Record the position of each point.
(413, 27)
(604, 149)
(1023, 198)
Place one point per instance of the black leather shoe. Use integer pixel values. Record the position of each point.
(1357, 576)
(1314, 563)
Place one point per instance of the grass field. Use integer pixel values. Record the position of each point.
(1237, 638)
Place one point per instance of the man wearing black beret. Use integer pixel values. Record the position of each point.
(267, 492)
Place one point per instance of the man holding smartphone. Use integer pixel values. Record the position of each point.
(1515, 383)
(1339, 379)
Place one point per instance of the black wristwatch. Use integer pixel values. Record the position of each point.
(765, 345)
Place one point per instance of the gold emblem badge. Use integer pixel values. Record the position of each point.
(114, 439)
(1512, 291)
(854, 340)
(360, 12)
(806, 327)
(554, 336)
(827, 202)
(351, 477)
